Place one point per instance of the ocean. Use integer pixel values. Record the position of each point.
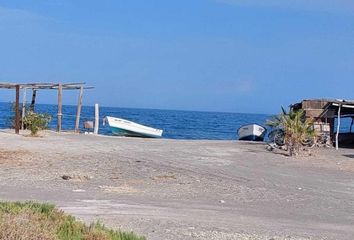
(176, 124)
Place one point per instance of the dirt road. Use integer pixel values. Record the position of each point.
(181, 190)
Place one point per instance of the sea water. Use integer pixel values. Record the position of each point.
(176, 124)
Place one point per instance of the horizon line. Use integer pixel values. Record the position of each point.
(160, 109)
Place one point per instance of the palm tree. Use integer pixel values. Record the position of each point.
(298, 130)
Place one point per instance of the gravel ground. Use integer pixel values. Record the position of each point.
(175, 189)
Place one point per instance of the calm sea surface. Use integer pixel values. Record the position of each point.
(176, 124)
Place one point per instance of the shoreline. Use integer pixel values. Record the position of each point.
(48, 133)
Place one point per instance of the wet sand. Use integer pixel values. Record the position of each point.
(177, 189)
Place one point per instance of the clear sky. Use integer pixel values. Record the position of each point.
(214, 55)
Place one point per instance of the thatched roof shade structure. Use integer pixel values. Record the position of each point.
(44, 86)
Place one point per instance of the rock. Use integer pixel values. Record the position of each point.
(66, 177)
(78, 178)
(79, 190)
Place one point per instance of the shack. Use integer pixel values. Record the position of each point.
(327, 114)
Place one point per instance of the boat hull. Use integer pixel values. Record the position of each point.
(252, 132)
(122, 127)
(252, 138)
(125, 133)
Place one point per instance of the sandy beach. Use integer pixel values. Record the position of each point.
(181, 190)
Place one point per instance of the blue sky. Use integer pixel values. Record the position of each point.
(213, 55)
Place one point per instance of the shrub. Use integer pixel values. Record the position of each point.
(35, 221)
(36, 121)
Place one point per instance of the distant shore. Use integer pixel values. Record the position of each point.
(183, 189)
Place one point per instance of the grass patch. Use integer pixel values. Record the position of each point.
(42, 221)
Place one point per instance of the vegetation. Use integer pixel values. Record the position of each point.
(35, 221)
(36, 121)
(298, 131)
(11, 119)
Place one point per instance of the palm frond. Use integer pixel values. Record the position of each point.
(296, 127)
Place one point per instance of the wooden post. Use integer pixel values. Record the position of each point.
(33, 102)
(17, 110)
(60, 106)
(97, 119)
(24, 107)
(78, 112)
(338, 126)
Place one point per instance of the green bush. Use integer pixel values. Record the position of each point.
(36, 121)
(33, 221)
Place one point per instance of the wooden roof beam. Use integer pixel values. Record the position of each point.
(46, 86)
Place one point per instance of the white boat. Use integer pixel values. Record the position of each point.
(251, 132)
(122, 127)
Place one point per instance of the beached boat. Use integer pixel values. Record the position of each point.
(122, 127)
(251, 132)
